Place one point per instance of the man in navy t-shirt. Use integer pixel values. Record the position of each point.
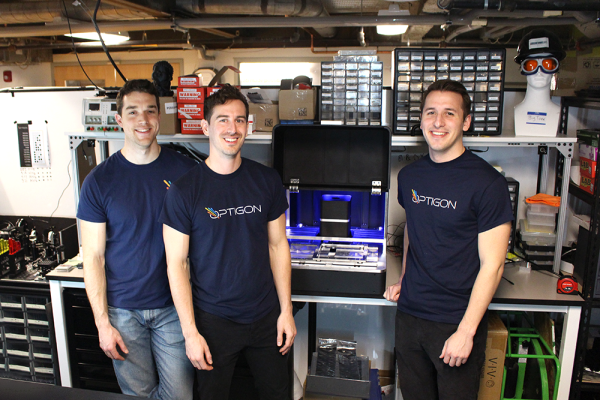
(458, 221)
(228, 215)
(124, 264)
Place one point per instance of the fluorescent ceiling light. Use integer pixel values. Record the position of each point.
(390, 30)
(109, 38)
(393, 29)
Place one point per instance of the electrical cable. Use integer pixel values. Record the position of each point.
(75, 48)
(397, 243)
(63, 192)
(201, 157)
(102, 42)
(479, 151)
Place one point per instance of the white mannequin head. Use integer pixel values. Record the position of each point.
(539, 80)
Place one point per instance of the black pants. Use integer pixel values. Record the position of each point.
(258, 341)
(421, 372)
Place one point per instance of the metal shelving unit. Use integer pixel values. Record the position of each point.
(592, 256)
(562, 143)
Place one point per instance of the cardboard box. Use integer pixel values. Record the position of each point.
(191, 95)
(587, 151)
(190, 111)
(588, 73)
(169, 125)
(324, 385)
(297, 104)
(193, 81)
(578, 73)
(586, 183)
(212, 89)
(587, 167)
(490, 385)
(266, 116)
(191, 127)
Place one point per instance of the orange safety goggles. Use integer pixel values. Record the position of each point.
(530, 66)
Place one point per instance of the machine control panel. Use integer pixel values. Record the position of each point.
(99, 114)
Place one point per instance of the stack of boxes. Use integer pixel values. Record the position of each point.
(351, 90)
(190, 103)
(537, 237)
(588, 156)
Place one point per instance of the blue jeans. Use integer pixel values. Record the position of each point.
(156, 366)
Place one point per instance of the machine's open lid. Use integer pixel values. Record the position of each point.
(332, 157)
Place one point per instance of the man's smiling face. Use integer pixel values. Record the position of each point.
(443, 124)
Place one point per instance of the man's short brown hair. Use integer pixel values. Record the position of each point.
(136, 85)
(448, 85)
(222, 96)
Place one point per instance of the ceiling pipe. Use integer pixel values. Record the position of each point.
(512, 5)
(474, 14)
(94, 45)
(461, 30)
(289, 8)
(312, 47)
(261, 22)
(152, 45)
(503, 31)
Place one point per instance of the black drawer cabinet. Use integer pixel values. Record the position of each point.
(90, 368)
(27, 345)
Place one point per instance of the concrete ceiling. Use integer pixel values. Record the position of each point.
(332, 24)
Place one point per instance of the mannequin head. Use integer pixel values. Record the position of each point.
(540, 79)
(539, 54)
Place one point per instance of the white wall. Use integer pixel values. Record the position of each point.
(62, 110)
(32, 75)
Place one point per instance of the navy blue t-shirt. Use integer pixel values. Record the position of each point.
(128, 198)
(447, 205)
(226, 217)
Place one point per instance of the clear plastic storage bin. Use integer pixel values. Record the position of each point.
(537, 233)
(542, 208)
(534, 218)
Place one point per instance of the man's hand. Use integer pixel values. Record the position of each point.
(457, 349)
(111, 341)
(197, 351)
(392, 293)
(287, 326)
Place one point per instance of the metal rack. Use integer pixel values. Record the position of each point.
(592, 256)
(562, 143)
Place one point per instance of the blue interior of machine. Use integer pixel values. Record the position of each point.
(367, 212)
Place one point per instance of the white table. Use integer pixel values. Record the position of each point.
(532, 291)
